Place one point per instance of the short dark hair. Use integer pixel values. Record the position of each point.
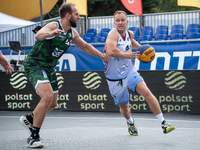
(120, 12)
(65, 8)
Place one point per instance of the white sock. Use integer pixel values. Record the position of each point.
(130, 120)
(160, 118)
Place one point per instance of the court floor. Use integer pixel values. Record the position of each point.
(63, 130)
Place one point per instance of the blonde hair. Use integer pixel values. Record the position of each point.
(120, 12)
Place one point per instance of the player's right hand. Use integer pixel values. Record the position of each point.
(55, 32)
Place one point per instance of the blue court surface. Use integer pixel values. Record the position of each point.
(63, 130)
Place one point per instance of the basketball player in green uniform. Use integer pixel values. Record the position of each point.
(52, 42)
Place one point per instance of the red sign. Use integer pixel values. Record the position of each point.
(134, 6)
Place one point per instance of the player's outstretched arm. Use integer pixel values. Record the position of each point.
(88, 48)
(49, 30)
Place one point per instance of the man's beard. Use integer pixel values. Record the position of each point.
(73, 23)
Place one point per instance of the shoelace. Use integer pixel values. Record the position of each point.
(132, 127)
(166, 125)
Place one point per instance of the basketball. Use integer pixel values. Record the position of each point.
(147, 53)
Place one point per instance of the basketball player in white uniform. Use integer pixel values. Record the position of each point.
(122, 75)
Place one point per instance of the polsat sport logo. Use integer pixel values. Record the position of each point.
(18, 80)
(91, 80)
(175, 80)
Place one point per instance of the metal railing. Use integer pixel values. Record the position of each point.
(25, 35)
(172, 18)
(184, 18)
(107, 22)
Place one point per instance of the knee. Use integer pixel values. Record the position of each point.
(48, 97)
(124, 109)
(146, 93)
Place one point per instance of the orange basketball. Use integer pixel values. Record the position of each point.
(147, 53)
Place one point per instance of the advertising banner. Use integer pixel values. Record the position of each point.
(169, 56)
(134, 6)
(176, 91)
(175, 56)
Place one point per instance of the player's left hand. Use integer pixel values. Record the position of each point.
(105, 56)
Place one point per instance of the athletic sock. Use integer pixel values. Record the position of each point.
(35, 132)
(30, 118)
(160, 118)
(130, 120)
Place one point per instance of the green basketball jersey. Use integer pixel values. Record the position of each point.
(47, 52)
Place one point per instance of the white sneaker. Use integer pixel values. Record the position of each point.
(24, 121)
(34, 143)
(167, 127)
(132, 130)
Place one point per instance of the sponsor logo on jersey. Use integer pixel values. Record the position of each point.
(57, 52)
(122, 69)
(120, 44)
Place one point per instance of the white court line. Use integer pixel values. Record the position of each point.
(121, 128)
(100, 118)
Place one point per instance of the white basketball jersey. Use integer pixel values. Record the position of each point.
(118, 68)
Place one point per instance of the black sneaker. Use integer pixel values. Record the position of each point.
(24, 121)
(132, 130)
(167, 127)
(34, 143)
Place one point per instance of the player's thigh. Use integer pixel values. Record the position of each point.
(142, 88)
(51, 73)
(133, 79)
(45, 90)
(118, 91)
(36, 75)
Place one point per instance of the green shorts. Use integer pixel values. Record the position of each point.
(37, 74)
